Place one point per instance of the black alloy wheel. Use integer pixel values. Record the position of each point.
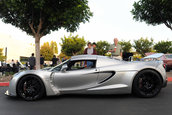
(147, 83)
(30, 88)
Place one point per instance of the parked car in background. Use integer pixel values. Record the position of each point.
(22, 66)
(168, 62)
(166, 58)
(154, 57)
(7, 67)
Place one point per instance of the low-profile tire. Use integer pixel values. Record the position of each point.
(147, 83)
(30, 88)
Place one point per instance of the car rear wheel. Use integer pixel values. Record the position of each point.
(30, 88)
(147, 83)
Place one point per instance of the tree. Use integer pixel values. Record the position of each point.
(143, 45)
(153, 12)
(102, 47)
(61, 55)
(126, 45)
(53, 46)
(72, 45)
(2, 57)
(39, 17)
(163, 47)
(46, 51)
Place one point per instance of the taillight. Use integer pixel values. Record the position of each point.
(164, 65)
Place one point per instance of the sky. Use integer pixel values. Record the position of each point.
(111, 19)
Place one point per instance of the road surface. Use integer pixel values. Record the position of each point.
(89, 105)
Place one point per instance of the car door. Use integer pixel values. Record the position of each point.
(77, 76)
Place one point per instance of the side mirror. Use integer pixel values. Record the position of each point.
(64, 68)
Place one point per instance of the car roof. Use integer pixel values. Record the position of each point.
(87, 57)
(156, 55)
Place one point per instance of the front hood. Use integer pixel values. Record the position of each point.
(40, 73)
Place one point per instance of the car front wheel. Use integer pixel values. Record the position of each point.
(147, 83)
(30, 88)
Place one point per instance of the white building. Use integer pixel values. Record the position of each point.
(15, 47)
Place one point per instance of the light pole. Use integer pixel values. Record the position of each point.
(5, 54)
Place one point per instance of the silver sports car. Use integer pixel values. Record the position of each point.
(90, 74)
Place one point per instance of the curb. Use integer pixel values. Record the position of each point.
(7, 83)
(169, 79)
(4, 83)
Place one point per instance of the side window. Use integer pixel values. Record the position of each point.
(81, 64)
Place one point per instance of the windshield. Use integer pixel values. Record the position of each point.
(58, 67)
(169, 56)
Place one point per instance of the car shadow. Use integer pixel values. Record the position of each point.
(90, 96)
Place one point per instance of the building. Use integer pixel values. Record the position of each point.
(16, 47)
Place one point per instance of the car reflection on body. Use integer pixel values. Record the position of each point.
(102, 75)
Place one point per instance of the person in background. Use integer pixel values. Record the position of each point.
(18, 65)
(90, 50)
(13, 66)
(63, 59)
(1, 69)
(41, 61)
(32, 62)
(59, 61)
(116, 50)
(94, 45)
(54, 61)
(12, 63)
(45, 65)
(26, 65)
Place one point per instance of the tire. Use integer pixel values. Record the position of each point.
(147, 84)
(30, 88)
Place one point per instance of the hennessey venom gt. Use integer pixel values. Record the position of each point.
(90, 74)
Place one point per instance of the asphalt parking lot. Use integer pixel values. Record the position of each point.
(169, 74)
(89, 105)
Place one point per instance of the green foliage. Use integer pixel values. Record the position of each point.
(163, 47)
(39, 17)
(61, 55)
(102, 47)
(2, 57)
(72, 45)
(108, 54)
(126, 45)
(143, 46)
(137, 57)
(153, 12)
(46, 51)
(53, 46)
(53, 14)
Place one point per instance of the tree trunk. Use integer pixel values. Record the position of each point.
(37, 51)
(37, 36)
